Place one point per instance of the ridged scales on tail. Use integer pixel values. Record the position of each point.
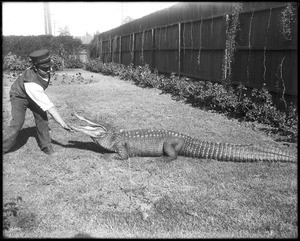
(155, 142)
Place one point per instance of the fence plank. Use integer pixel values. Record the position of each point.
(153, 47)
(179, 48)
(120, 49)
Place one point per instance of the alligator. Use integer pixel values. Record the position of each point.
(170, 144)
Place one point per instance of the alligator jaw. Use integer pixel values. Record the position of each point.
(94, 129)
(90, 130)
(82, 118)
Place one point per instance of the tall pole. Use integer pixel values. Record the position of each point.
(54, 29)
(53, 23)
(122, 13)
(47, 18)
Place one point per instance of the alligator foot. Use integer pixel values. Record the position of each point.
(112, 156)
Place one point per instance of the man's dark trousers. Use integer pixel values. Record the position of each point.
(18, 110)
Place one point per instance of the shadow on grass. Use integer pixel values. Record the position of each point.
(90, 146)
(26, 133)
(23, 137)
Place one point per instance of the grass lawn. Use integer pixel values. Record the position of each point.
(82, 191)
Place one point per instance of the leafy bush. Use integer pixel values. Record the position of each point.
(12, 62)
(15, 63)
(58, 62)
(127, 73)
(73, 63)
(93, 65)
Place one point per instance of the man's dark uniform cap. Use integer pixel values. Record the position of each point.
(41, 58)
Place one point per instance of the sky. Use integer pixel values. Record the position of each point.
(27, 18)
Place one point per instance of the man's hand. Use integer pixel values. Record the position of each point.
(53, 112)
(67, 127)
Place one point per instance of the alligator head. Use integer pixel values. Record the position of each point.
(103, 134)
(94, 129)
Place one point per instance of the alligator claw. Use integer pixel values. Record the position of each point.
(73, 128)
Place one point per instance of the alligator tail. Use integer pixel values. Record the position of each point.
(233, 152)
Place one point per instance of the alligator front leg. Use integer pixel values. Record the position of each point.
(171, 148)
(121, 149)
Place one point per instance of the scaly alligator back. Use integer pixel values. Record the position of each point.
(233, 152)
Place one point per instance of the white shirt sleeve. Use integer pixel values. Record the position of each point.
(38, 95)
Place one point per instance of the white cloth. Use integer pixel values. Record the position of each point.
(38, 95)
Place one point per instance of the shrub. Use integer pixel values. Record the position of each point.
(169, 84)
(58, 62)
(73, 63)
(142, 76)
(12, 62)
(93, 65)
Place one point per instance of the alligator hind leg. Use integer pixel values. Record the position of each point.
(171, 148)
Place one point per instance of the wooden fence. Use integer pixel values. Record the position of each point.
(197, 49)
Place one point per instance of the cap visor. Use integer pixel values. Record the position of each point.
(48, 64)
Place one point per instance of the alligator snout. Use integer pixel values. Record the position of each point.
(93, 129)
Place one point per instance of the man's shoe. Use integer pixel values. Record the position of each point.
(48, 150)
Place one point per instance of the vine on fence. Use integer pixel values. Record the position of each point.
(99, 48)
(232, 26)
(280, 76)
(199, 53)
(265, 47)
(131, 47)
(285, 29)
(286, 20)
